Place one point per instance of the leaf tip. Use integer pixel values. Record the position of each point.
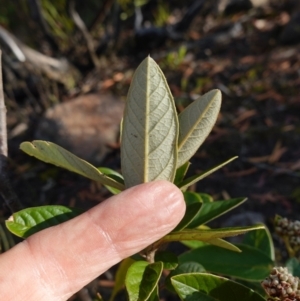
(10, 219)
(25, 146)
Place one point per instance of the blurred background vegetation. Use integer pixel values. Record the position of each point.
(55, 51)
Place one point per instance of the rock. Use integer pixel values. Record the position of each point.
(87, 126)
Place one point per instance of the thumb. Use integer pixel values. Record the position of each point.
(55, 263)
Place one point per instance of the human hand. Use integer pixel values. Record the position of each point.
(57, 262)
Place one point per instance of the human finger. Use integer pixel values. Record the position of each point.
(55, 263)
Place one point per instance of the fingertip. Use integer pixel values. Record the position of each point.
(167, 199)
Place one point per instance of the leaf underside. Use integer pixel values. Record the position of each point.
(207, 234)
(54, 154)
(150, 128)
(195, 123)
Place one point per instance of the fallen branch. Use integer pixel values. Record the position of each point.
(57, 69)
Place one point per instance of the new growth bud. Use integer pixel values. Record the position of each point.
(289, 231)
(281, 285)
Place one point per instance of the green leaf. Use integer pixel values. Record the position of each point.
(120, 276)
(141, 279)
(193, 244)
(293, 266)
(255, 285)
(188, 267)
(169, 259)
(195, 197)
(205, 235)
(54, 154)
(205, 198)
(150, 128)
(114, 175)
(221, 243)
(181, 172)
(190, 286)
(184, 185)
(261, 240)
(192, 197)
(154, 295)
(199, 296)
(31, 220)
(183, 268)
(191, 211)
(195, 123)
(6, 239)
(210, 211)
(251, 264)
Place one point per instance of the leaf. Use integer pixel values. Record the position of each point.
(210, 211)
(191, 211)
(169, 259)
(293, 266)
(6, 239)
(198, 285)
(54, 154)
(183, 268)
(196, 178)
(254, 285)
(192, 197)
(205, 198)
(31, 220)
(262, 240)
(188, 267)
(141, 279)
(150, 128)
(205, 235)
(251, 264)
(199, 296)
(195, 123)
(120, 276)
(154, 295)
(221, 243)
(114, 175)
(181, 172)
(193, 244)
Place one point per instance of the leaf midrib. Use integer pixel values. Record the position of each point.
(147, 117)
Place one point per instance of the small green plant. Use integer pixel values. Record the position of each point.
(157, 144)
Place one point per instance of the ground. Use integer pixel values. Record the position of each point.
(257, 69)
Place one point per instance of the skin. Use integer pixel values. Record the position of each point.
(57, 262)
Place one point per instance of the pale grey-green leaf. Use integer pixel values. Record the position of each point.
(150, 128)
(54, 154)
(195, 123)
